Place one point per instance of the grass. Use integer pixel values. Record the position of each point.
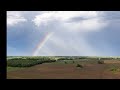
(13, 68)
(115, 69)
(76, 61)
(31, 61)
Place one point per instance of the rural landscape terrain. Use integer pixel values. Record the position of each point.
(63, 67)
(63, 45)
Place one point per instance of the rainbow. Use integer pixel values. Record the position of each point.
(41, 43)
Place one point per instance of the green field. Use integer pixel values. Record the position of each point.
(14, 68)
(28, 61)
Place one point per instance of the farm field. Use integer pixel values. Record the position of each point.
(66, 68)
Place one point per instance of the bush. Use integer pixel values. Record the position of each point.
(101, 62)
(78, 65)
(115, 69)
(73, 61)
(65, 62)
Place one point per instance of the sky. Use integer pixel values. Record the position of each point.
(63, 33)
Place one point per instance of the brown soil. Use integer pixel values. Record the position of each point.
(65, 71)
(112, 61)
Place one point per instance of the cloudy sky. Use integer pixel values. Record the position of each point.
(63, 33)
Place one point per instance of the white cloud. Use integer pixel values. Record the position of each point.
(43, 18)
(92, 20)
(86, 25)
(14, 17)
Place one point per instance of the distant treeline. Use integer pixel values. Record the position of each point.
(28, 61)
(60, 57)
